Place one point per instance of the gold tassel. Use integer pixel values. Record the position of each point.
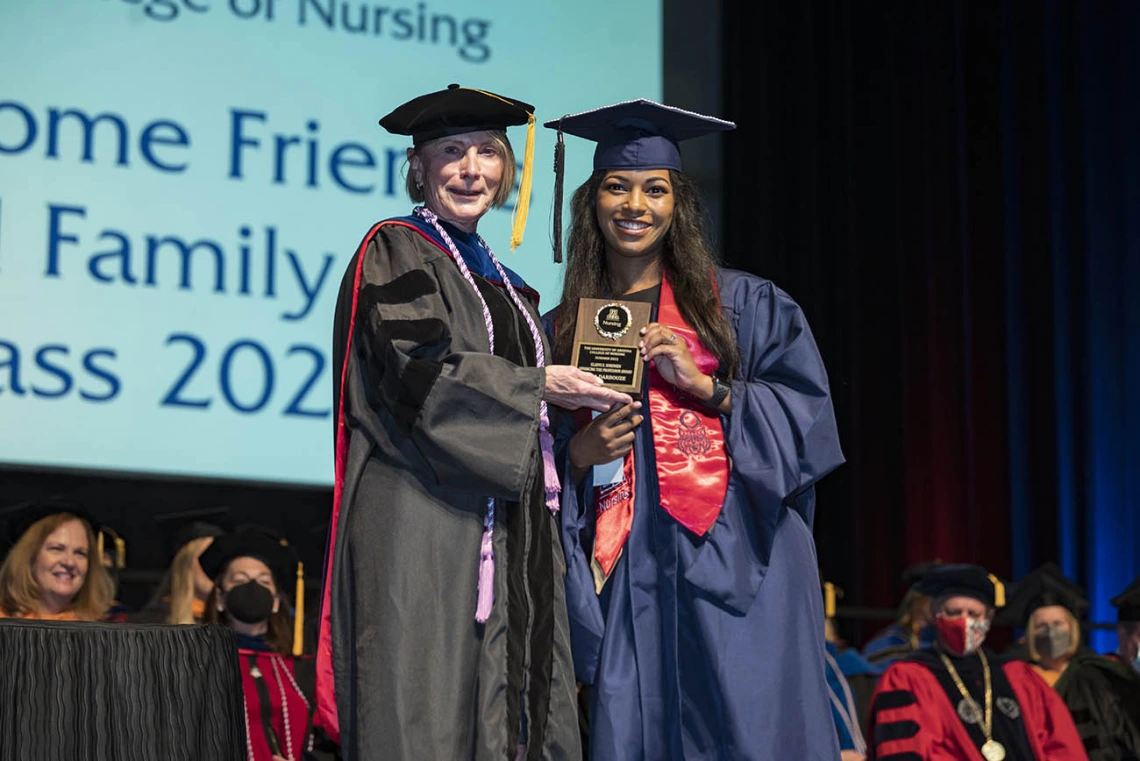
(522, 204)
(99, 546)
(999, 591)
(828, 599)
(120, 552)
(299, 612)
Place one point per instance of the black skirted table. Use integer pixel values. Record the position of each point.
(119, 692)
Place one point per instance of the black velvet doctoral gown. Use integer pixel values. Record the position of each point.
(435, 425)
(1104, 698)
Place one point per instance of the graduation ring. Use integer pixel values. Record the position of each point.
(672, 338)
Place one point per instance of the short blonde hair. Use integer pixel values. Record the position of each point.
(506, 186)
(1074, 628)
(19, 591)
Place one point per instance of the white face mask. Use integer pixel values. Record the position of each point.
(976, 633)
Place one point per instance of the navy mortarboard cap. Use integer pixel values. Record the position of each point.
(458, 110)
(1044, 586)
(1127, 603)
(636, 134)
(962, 580)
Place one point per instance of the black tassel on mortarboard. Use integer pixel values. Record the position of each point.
(559, 171)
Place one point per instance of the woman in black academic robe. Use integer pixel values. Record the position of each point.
(443, 628)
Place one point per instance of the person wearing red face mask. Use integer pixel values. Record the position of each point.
(959, 700)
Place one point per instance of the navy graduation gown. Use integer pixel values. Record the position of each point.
(703, 648)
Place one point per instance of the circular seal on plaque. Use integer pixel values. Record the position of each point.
(613, 320)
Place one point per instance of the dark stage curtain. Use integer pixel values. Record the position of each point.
(951, 190)
(119, 692)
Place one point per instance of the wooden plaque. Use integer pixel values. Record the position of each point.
(605, 341)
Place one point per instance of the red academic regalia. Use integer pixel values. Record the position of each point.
(288, 713)
(913, 717)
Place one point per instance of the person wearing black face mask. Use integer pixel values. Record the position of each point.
(1102, 696)
(250, 569)
(961, 701)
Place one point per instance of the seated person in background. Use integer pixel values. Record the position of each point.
(1059, 603)
(958, 700)
(1096, 690)
(181, 597)
(912, 628)
(113, 553)
(1127, 605)
(48, 572)
(250, 569)
(850, 682)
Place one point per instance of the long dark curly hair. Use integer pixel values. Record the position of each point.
(687, 257)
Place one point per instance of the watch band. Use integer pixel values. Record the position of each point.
(720, 391)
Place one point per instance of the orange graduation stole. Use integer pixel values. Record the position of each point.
(688, 442)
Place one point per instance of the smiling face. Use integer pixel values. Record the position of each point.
(60, 566)
(635, 211)
(460, 175)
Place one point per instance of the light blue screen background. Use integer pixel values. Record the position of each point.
(97, 372)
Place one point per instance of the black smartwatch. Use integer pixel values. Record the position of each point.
(720, 391)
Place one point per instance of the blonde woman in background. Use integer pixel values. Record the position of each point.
(189, 584)
(48, 573)
(1102, 695)
(182, 595)
(912, 628)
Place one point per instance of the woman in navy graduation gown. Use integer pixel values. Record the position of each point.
(692, 581)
